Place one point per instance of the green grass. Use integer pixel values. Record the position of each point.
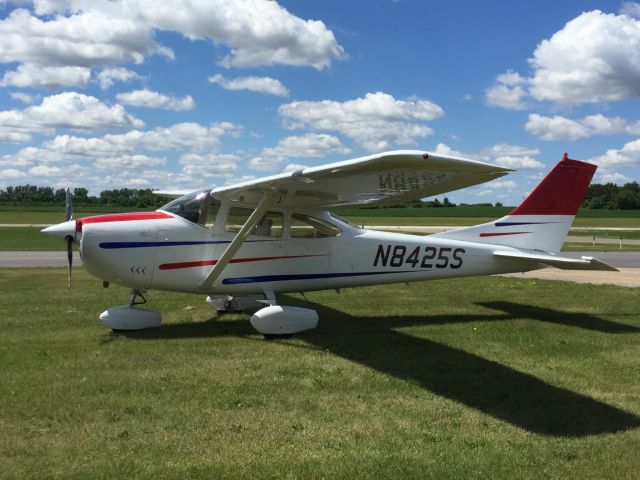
(611, 222)
(28, 238)
(468, 378)
(602, 247)
(609, 234)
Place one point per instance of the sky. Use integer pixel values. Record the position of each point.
(187, 94)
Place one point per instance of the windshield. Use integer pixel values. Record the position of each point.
(197, 207)
(343, 220)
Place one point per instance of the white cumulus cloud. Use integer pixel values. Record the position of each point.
(209, 165)
(9, 135)
(562, 128)
(595, 57)
(23, 97)
(30, 75)
(151, 99)
(127, 162)
(11, 174)
(505, 149)
(508, 92)
(612, 177)
(187, 136)
(68, 110)
(255, 84)
(628, 155)
(310, 145)
(45, 171)
(518, 162)
(98, 33)
(375, 121)
(108, 76)
(555, 128)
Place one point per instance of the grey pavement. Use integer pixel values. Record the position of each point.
(37, 259)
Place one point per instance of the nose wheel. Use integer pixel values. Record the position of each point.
(129, 317)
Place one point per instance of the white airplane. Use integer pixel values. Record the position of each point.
(243, 244)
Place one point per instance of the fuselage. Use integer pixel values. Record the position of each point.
(165, 251)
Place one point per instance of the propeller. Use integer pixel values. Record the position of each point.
(68, 203)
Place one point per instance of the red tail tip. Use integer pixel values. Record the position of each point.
(561, 191)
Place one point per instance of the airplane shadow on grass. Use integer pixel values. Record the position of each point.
(490, 387)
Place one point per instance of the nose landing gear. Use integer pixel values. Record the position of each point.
(129, 317)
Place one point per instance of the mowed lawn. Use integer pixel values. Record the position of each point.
(468, 378)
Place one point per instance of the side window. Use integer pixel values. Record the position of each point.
(305, 226)
(271, 224)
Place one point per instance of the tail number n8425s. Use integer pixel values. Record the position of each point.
(418, 257)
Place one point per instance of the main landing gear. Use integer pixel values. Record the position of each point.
(129, 317)
(273, 321)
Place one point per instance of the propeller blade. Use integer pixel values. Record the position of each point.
(68, 203)
(69, 259)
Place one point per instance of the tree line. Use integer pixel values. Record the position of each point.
(31, 195)
(608, 196)
(613, 197)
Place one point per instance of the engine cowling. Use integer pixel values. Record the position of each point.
(283, 320)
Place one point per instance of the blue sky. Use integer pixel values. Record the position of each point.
(188, 94)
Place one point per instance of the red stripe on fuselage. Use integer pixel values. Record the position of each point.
(501, 234)
(126, 217)
(205, 263)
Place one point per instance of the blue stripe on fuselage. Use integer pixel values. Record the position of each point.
(513, 224)
(304, 276)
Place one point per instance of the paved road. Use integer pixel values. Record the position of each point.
(617, 259)
(37, 259)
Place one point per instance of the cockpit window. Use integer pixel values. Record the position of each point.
(270, 225)
(197, 207)
(305, 226)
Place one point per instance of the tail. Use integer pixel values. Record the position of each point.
(543, 219)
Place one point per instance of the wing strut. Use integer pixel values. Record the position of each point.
(270, 197)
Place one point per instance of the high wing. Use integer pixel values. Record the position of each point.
(171, 193)
(386, 178)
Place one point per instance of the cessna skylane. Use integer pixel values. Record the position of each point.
(245, 243)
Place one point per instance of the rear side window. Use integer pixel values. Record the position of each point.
(306, 226)
(270, 225)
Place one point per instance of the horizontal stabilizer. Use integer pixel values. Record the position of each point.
(563, 263)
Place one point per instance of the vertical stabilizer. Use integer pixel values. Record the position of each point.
(542, 220)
